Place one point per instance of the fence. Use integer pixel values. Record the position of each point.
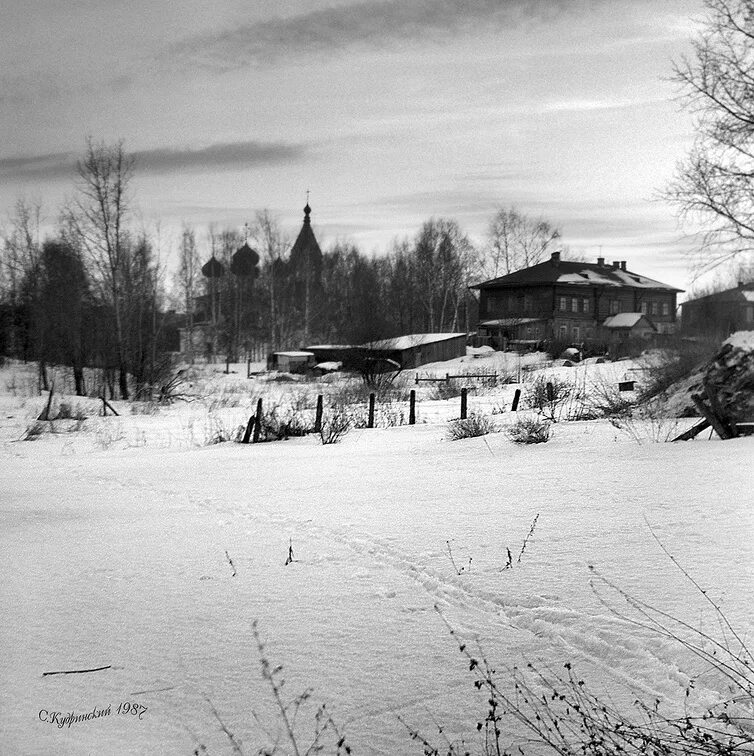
(253, 428)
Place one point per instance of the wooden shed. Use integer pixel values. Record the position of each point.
(417, 349)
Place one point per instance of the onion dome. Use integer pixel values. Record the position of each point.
(213, 268)
(244, 261)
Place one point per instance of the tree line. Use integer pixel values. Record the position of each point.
(94, 293)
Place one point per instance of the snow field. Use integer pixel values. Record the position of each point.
(115, 554)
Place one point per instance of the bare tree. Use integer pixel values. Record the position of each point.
(21, 266)
(516, 241)
(273, 246)
(97, 219)
(440, 255)
(714, 186)
(188, 276)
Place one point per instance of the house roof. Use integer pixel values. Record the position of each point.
(743, 293)
(566, 272)
(412, 340)
(627, 320)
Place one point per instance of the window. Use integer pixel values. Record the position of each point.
(575, 332)
(585, 304)
(589, 333)
(614, 306)
(527, 302)
(644, 308)
(750, 314)
(563, 303)
(574, 305)
(665, 308)
(655, 308)
(563, 331)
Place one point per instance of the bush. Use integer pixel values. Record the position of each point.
(646, 424)
(675, 363)
(474, 425)
(443, 390)
(551, 402)
(530, 430)
(334, 426)
(608, 401)
(66, 411)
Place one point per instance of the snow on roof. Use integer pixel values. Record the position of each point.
(748, 295)
(511, 321)
(330, 346)
(412, 340)
(625, 320)
(742, 339)
(294, 354)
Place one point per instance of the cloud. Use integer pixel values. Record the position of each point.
(163, 160)
(375, 23)
(219, 156)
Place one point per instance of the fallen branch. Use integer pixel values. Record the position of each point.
(230, 562)
(76, 671)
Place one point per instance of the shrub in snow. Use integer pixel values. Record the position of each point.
(474, 425)
(551, 397)
(335, 425)
(561, 714)
(647, 423)
(279, 425)
(530, 430)
(443, 390)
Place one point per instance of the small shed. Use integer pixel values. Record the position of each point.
(291, 362)
(627, 328)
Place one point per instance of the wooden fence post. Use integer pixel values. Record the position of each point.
(248, 368)
(412, 408)
(318, 416)
(516, 397)
(463, 403)
(249, 428)
(370, 421)
(550, 392)
(257, 422)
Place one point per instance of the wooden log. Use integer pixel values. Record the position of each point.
(694, 431)
(550, 392)
(107, 406)
(370, 419)
(710, 416)
(45, 414)
(412, 408)
(464, 403)
(516, 398)
(318, 416)
(257, 423)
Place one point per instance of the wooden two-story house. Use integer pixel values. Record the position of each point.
(576, 302)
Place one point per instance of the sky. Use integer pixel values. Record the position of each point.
(389, 112)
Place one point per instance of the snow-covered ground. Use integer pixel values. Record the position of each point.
(117, 537)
